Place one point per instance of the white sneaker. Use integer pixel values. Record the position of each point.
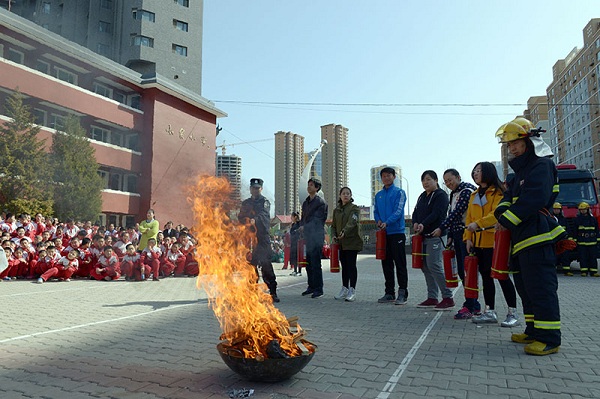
(351, 295)
(487, 317)
(511, 319)
(40, 281)
(343, 293)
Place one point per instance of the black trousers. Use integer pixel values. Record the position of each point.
(349, 271)
(484, 257)
(261, 257)
(314, 272)
(537, 285)
(395, 257)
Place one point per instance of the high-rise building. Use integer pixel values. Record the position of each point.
(574, 103)
(334, 163)
(289, 163)
(230, 166)
(154, 38)
(377, 184)
(316, 169)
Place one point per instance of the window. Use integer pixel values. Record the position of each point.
(57, 122)
(102, 90)
(104, 175)
(104, 26)
(185, 3)
(132, 141)
(116, 138)
(181, 50)
(135, 101)
(66, 76)
(120, 97)
(15, 56)
(100, 134)
(144, 15)
(42, 66)
(130, 183)
(106, 4)
(46, 7)
(40, 116)
(114, 181)
(103, 49)
(140, 40)
(180, 25)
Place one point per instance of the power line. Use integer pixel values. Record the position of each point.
(371, 104)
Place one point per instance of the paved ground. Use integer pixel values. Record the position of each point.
(88, 339)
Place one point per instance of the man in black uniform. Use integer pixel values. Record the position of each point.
(524, 211)
(256, 213)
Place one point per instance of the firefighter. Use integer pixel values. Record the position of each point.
(524, 211)
(563, 261)
(586, 235)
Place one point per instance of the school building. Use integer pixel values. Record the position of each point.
(151, 136)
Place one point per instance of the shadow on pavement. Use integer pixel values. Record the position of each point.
(157, 304)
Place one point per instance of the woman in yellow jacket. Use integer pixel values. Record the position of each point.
(479, 238)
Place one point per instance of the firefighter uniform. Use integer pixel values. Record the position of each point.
(524, 211)
(258, 208)
(586, 235)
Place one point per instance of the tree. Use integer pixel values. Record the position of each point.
(75, 172)
(24, 173)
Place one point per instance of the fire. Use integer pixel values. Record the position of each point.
(245, 311)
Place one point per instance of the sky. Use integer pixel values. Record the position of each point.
(419, 84)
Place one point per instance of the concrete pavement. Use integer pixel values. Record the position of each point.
(90, 339)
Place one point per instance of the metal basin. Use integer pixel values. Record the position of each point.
(268, 370)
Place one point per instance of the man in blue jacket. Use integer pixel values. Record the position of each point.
(389, 214)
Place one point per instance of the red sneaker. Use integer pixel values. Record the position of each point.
(445, 304)
(428, 303)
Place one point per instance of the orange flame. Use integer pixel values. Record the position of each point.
(244, 310)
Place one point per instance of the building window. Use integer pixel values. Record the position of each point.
(106, 4)
(15, 56)
(102, 90)
(104, 175)
(181, 50)
(114, 181)
(46, 7)
(66, 76)
(131, 141)
(144, 15)
(120, 97)
(116, 138)
(180, 25)
(57, 122)
(40, 116)
(130, 183)
(140, 40)
(100, 134)
(104, 26)
(103, 49)
(135, 101)
(42, 66)
(185, 3)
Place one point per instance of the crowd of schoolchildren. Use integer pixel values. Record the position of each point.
(44, 248)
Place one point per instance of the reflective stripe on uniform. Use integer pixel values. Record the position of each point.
(546, 325)
(555, 188)
(528, 318)
(538, 239)
(504, 204)
(511, 217)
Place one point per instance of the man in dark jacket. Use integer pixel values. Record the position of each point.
(255, 212)
(524, 211)
(314, 214)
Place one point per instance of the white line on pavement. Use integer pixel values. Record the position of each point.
(93, 323)
(52, 291)
(391, 384)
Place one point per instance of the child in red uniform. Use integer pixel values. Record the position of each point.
(86, 259)
(188, 247)
(63, 269)
(10, 272)
(120, 246)
(173, 260)
(152, 256)
(74, 243)
(133, 262)
(108, 267)
(45, 262)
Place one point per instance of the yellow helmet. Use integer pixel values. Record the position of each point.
(557, 205)
(583, 205)
(518, 128)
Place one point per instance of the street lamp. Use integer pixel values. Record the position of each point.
(407, 196)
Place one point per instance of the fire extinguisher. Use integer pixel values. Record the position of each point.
(380, 243)
(450, 267)
(302, 253)
(334, 260)
(501, 254)
(286, 250)
(471, 278)
(417, 251)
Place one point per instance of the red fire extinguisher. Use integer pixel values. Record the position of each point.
(417, 251)
(334, 260)
(450, 267)
(380, 243)
(286, 250)
(302, 253)
(471, 278)
(501, 254)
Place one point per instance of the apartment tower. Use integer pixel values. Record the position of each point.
(230, 166)
(289, 163)
(151, 37)
(574, 104)
(334, 163)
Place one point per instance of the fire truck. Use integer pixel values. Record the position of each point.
(576, 185)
